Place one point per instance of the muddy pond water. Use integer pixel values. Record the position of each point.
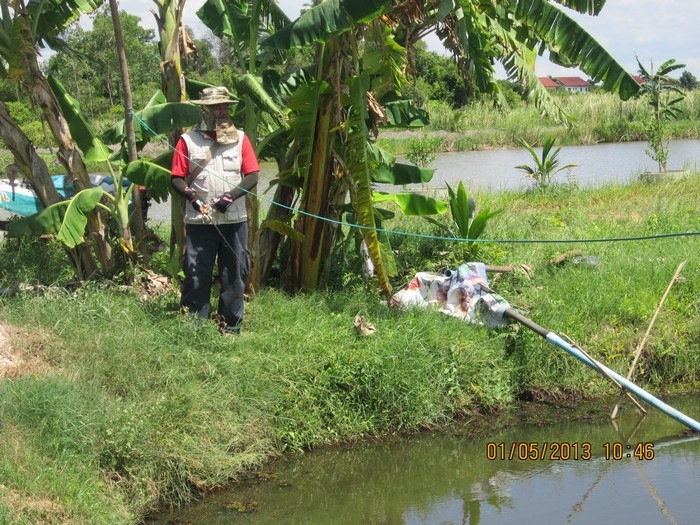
(530, 465)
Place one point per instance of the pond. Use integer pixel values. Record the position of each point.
(494, 170)
(531, 465)
(596, 165)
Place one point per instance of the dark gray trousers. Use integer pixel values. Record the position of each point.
(204, 246)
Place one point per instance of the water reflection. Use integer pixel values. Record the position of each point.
(447, 479)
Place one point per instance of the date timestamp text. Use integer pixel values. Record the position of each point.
(566, 451)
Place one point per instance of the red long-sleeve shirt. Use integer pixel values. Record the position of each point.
(181, 163)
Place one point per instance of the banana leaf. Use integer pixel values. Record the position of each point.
(412, 203)
(361, 165)
(248, 84)
(163, 118)
(283, 229)
(388, 171)
(14, 45)
(479, 222)
(90, 145)
(400, 174)
(232, 18)
(116, 134)
(154, 175)
(461, 207)
(566, 38)
(53, 16)
(156, 120)
(326, 20)
(66, 219)
(404, 113)
(193, 88)
(226, 18)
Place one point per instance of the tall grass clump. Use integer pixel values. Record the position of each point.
(444, 117)
(595, 117)
(33, 261)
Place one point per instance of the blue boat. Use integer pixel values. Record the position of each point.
(18, 197)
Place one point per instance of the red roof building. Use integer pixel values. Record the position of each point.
(549, 83)
(571, 84)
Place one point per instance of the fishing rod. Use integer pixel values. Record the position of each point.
(208, 219)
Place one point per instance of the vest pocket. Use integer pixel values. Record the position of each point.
(231, 160)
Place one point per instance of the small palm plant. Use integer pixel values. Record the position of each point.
(547, 166)
(467, 224)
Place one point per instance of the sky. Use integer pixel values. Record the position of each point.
(653, 30)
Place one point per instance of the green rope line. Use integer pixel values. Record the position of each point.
(434, 237)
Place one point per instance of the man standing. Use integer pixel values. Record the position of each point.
(213, 167)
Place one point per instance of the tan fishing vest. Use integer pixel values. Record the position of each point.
(221, 174)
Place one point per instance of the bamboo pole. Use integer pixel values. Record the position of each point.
(640, 346)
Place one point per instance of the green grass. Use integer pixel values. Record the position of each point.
(124, 404)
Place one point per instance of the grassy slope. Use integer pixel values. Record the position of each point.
(122, 403)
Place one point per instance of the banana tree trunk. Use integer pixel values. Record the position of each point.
(268, 239)
(137, 216)
(168, 19)
(26, 157)
(309, 256)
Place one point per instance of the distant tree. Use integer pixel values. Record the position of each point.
(94, 72)
(439, 77)
(513, 92)
(196, 66)
(8, 91)
(688, 81)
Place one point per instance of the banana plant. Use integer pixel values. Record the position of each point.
(68, 219)
(664, 96)
(94, 149)
(331, 122)
(23, 28)
(546, 165)
(478, 33)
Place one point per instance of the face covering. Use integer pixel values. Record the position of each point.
(226, 132)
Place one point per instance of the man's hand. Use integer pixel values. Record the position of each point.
(224, 202)
(199, 206)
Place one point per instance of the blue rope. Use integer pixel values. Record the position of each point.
(435, 237)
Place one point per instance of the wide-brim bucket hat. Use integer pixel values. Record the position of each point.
(213, 96)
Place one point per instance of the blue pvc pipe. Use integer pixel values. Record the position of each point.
(624, 382)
